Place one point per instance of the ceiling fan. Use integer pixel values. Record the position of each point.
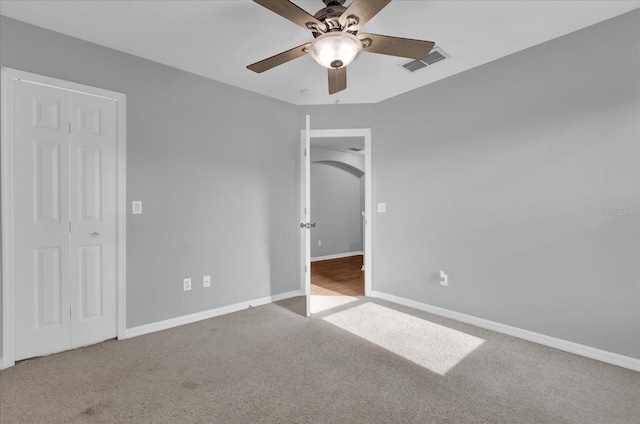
(336, 40)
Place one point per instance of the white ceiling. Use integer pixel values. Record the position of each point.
(218, 39)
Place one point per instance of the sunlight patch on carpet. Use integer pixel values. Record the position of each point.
(432, 346)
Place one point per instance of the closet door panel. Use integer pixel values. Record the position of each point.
(94, 216)
(41, 219)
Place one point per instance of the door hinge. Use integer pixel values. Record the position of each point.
(69, 313)
(305, 151)
(305, 269)
(69, 127)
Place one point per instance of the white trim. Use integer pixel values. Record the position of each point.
(368, 184)
(8, 353)
(560, 344)
(62, 84)
(306, 204)
(336, 256)
(211, 313)
(8, 271)
(122, 216)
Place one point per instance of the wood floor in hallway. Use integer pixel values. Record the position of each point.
(338, 277)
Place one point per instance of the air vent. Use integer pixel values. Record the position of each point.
(414, 65)
(433, 57)
(436, 55)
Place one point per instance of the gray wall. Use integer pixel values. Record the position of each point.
(214, 166)
(336, 192)
(500, 175)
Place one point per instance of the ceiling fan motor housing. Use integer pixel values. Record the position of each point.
(330, 16)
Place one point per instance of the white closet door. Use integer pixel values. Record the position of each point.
(93, 219)
(41, 219)
(65, 219)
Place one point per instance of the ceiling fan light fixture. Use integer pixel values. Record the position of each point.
(335, 44)
(335, 50)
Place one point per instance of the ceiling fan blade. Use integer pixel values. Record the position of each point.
(290, 11)
(395, 46)
(364, 10)
(337, 80)
(279, 59)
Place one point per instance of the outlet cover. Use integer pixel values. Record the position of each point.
(206, 281)
(136, 207)
(186, 284)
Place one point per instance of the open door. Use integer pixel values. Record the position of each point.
(305, 213)
(305, 204)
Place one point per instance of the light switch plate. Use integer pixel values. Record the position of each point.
(186, 284)
(382, 207)
(206, 281)
(136, 206)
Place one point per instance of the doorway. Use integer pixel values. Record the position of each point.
(62, 215)
(337, 210)
(331, 135)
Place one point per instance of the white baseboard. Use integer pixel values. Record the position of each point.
(199, 316)
(336, 256)
(1, 367)
(567, 346)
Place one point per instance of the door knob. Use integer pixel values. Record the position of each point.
(95, 235)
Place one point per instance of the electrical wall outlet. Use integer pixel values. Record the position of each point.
(444, 279)
(186, 284)
(206, 281)
(319, 242)
(136, 207)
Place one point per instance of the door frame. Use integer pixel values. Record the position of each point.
(368, 199)
(6, 184)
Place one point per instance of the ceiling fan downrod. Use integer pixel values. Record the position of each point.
(331, 3)
(330, 16)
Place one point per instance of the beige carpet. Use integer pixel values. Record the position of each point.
(355, 361)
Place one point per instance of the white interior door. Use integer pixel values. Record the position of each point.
(41, 219)
(305, 212)
(93, 213)
(65, 225)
